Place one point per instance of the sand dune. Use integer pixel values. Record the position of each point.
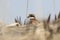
(21, 33)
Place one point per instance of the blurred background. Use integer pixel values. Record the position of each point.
(9, 9)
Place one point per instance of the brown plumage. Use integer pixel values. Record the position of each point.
(59, 15)
(55, 17)
(49, 18)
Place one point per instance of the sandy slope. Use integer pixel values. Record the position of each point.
(56, 37)
(16, 33)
